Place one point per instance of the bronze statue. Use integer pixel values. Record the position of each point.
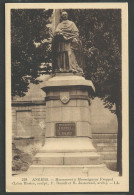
(67, 47)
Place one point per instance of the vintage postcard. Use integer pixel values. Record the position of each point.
(67, 97)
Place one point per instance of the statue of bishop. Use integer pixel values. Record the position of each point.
(67, 50)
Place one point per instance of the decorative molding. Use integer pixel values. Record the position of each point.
(28, 103)
(68, 87)
(73, 97)
(23, 137)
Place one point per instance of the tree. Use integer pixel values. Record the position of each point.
(30, 47)
(100, 33)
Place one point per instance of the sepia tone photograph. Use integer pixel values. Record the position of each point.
(67, 97)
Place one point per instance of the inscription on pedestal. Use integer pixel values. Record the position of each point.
(65, 129)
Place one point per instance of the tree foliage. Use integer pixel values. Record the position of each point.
(100, 33)
(30, 46)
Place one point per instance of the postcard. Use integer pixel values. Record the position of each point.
(67, 97)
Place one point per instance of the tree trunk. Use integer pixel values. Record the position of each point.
(119, 139)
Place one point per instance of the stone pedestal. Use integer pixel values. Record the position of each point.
(68, 149)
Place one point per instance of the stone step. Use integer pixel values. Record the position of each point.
(68, 145)
(108, 155)
(71, 170)
(106, 148)
(83, 158)
(105, 144)
(104, 140)
(104, 136)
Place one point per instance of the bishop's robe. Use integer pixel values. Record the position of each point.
(67, 47)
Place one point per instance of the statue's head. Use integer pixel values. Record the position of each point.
(64, 15)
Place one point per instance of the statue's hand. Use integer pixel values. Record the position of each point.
(66, 38)
(58, 31)
(74, 40)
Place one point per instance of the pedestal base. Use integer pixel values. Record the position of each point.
(68, 149)
(63, 157)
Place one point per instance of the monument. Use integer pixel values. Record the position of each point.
(68, 149)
